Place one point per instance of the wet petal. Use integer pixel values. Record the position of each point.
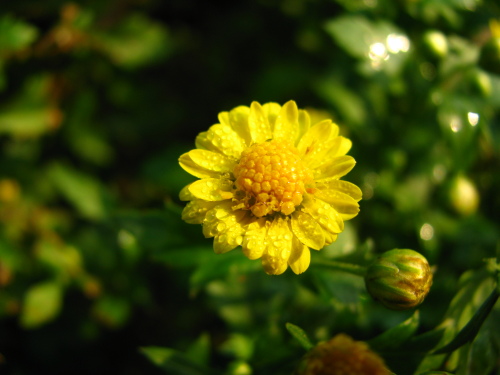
(313, 138)
(345, 205)
(222, 138)
(258, 124)
(331, 149)
(307, 230)
(212, 161)
(196, 210)
(212, 189)
(185, 194)
(300, 258)
(279, 247)
(232, 236)
(191, 167)
(324, 214)
(238, 118)
(220, 218)
(273, 265)
(345, 187)
(255, 240)
(287, 122)
(335, 168)
(304, 123)
(271, 111)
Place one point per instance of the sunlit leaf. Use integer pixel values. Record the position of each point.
(300, 335)
(42, 303)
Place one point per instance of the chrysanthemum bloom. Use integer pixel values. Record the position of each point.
(270, 182)
(342, 356)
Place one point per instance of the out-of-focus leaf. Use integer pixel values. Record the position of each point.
(112, 311)
(156, 231)
(468, 333)
(381, 44)
(396, 336)
(15, 34)
(343, 288)
(42, 303)
(222, 265)
(347, 102)
(300, 335)
(199, 351)
(138, 41)
(83, 191)
(30, 113)
(65, 260)
(174, 362)
(239, 346)
(187, 257)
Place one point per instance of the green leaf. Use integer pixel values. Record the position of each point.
(112, 311)
(30, 113)
(173, 362)
(469, 332)
(397, 335)
(138, 41)
(15, 34)
(199, 351)
(300, 335)
(83, 191)
(42, 303)
(219, 266)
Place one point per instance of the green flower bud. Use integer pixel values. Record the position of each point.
(400, 279)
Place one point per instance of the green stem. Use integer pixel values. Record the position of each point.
(341, 266)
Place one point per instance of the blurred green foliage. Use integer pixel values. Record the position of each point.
(98, 273)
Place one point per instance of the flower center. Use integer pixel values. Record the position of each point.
(271, 177)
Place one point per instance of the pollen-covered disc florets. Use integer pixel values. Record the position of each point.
(271, 177)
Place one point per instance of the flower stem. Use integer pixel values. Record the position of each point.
(341, 266)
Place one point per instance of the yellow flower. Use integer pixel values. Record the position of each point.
(270, 182)
(342, 356)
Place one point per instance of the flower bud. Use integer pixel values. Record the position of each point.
(400, 279)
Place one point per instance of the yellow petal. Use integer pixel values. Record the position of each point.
(300, 258)
(271, 111)
(273, 265)
(196, 210)
(345, 187)
(287, 122)
(330, 237)
(222, 138)
(307, 230)
(230, 238)
(337, 146)
(220, 218)
(324, 214)
(346, 206)
(335, 168)
(191, 167)
(212, 189)
(279, 247)
(185, 194)
(258, 124)
(315, 139)
(255, 240)
(238, 118)
(212, 161)
(304, 123)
